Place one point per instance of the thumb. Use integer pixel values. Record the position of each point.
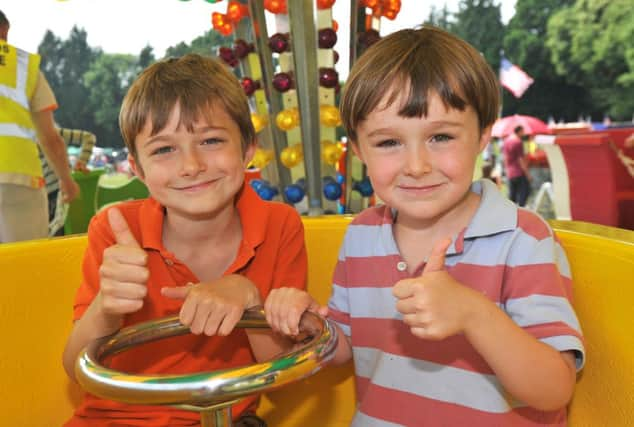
(120, 229)
(177, 292)
(436, 261)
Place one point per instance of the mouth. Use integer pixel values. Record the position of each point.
(419, 188)
(192, 188)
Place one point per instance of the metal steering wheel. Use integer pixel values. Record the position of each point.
(210, 393)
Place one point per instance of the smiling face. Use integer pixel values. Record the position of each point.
(421, 166)
(194, 174)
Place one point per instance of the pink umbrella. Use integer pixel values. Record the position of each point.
(506, 125)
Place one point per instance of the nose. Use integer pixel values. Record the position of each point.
(418, 161)
(192, 163)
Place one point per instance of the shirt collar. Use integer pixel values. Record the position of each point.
(253, 217)
(495, 214)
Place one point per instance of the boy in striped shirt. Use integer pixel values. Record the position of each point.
(455, 304)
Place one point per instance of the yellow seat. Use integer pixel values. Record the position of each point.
(39, 279)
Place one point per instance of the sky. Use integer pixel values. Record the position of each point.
(127, 26)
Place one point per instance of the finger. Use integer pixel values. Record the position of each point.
(125, 255)
(127, 290)
(406, 306)
(124, 272)
(177, 292)
(403, 289)
(229, 322)
(120, 229)
(211, 322)
(436, 261)
(121, 305)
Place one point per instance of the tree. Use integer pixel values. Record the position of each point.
(591, 41)
(107, 81)
(441, 18)
(480, 23)
(205, 45)
(64, 63)
(551, 94)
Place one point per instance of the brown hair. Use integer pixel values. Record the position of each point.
(427, 60)
(192, 81)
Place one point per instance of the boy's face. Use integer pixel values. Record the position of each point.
(194, 175)
(422, 167)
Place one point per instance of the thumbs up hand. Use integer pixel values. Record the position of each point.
(123, 272)
(435, 305)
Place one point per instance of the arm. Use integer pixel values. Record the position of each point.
(534, 372)
(436, 306)
(54, 149)
(119, 283)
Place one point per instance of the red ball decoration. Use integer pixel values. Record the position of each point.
(328, 77)
(275, 6)
(278, 42)
(282, 82)
(327, 37)
(242, 48)
(227, 55)
(249, 85)
(368, 38)
(335, 55)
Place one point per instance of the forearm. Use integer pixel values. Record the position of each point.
(53, 145)
(531, 371)
(93, 325)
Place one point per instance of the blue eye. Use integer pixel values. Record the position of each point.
(388, 143)
(162, 150)
(212, 141)
(440, 138)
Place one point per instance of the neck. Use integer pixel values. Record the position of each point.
(195, 233)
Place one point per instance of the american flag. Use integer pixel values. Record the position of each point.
(514, 78)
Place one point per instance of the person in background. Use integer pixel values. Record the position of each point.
(453, 302)
(26, 119)
(516, 166)
(57, 208)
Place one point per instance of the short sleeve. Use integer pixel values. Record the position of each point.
(43, 98)
(338, 304)
(538, 288)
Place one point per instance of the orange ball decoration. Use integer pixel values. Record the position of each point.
(329, 115)
(325, 4)
(287, 119)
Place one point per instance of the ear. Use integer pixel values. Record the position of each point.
(249, 153)
(355, 149)
(485, 137)
(136, 168)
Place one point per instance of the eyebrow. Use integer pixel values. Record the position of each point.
(202, 129)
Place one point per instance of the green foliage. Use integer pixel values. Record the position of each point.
(591, 41)
(90, 85)
(480, 23)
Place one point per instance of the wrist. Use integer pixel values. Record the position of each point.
(479, 316)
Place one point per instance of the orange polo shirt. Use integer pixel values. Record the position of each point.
(272, 254)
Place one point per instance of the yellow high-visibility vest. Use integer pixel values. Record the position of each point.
(19, 160)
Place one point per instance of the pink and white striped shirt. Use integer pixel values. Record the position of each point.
(509, 254)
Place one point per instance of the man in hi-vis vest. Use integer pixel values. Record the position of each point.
(26, 117)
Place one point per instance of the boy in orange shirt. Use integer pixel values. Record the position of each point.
(204, 245)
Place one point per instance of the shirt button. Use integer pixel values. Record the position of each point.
(401, 266)
(169, 262)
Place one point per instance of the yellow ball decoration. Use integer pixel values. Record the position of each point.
(261, 158)
(330, 152)
(329, 115)
(292, 156)
(259, 121)
(287, 119)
